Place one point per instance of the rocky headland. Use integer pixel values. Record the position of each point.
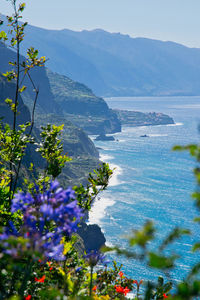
(136, 118)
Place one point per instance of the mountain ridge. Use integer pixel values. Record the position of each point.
(113, 64)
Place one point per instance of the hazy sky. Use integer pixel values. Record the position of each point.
(175, 20)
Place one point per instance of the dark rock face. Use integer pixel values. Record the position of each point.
(45, 98)
(145, 135)
(92, 236)
(7, 90)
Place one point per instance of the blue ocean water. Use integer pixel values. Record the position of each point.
(151, 181)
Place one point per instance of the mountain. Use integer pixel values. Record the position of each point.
(80, 106)
(60, 95)
(113, 64)
(76, 142)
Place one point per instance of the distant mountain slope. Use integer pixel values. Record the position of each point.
(112, 64)
(60, 95)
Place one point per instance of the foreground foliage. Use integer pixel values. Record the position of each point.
(38, 220)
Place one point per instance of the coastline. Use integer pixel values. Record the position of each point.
(100, 205)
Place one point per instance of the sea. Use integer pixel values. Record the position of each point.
(151, 182)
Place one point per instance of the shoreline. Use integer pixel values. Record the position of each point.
(100, 205)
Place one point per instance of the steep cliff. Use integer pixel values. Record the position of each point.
(76, 142)
(7, 90)
(81, 106)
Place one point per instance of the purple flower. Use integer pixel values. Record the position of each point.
(78, 269)
(47, 217)
(54, 185)
(46, 210)
(21, 201)
(94, 257)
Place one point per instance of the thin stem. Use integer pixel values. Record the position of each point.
(34, 103)
(16, 95)
(91, 279)
(31, 128)
(18, 66)
(11, 183)
(26, 278)
(12, 286)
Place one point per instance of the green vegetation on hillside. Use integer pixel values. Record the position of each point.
(81, 106)
(136, 118)
(78, 146)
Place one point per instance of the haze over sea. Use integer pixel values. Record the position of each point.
(151, 181)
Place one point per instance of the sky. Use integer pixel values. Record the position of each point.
(171, 20)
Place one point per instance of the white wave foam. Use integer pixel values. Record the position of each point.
(114, 180)
(105, 157)
(176, 124)
(98, 209)
(157, 135)
(109, 244)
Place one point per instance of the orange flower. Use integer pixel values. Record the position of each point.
(121, 274)
(126, 291)
(28, 297)
(94, 288)
(40, 279)
(165, 296)
(119, 289)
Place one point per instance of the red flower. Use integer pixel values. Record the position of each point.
(49, 263)
(126, 291)
(165, 296)
(50, 268)
(121, 274)
(40, 279)
(94, 288)
(28, 297)
(119, 289)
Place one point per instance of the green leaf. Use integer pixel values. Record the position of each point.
(194, 271)
(178, 148)
(21, 7)
(175, 234)
(3, 35)
(22, 89)
(196, 247)
(160, 261)
(141, 237)
(8, 101)
(197, 219)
